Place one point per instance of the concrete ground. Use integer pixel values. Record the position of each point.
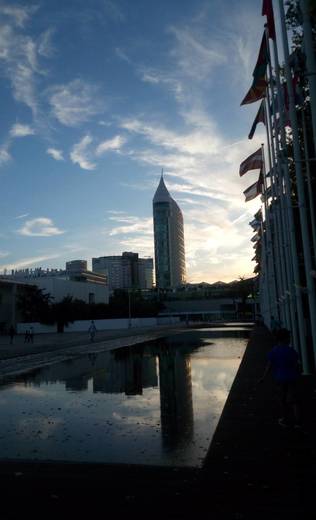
(255, 469)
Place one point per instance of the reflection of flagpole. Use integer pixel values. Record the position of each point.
(300, 183)
(290, 217)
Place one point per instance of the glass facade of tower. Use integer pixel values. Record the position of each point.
(169, 240)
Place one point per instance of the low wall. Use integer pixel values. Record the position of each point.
(83, 325)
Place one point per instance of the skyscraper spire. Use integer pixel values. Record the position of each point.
(169, 239)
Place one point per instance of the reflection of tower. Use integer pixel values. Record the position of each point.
(175, 397)
(129, 371)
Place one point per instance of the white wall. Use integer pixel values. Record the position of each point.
(59, 288)
(114, 324)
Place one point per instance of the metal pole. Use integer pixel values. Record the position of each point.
(300, 185)
(270, 256)
(309, 184)
(277, 228)
(292, 231)
(310, 62)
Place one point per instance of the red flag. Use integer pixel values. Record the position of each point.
(260, 118)
(267, 9)
(254, 161)
(258, 88)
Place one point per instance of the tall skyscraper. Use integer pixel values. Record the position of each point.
(169, 239)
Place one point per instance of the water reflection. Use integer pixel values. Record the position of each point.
(156, 403)
(176, 403)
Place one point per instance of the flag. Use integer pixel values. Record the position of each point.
(266, 195)
(257, 91)
(253, 191)
(252, 162)
(267, 9)
(258, 215)
(260, 118)
(258, 88)
(262, 60)
(255, 224)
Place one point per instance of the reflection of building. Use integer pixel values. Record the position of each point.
(175, 396)
(126, 271)
(169, 239)
(127, 370)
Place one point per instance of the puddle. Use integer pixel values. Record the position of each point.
(156, 403)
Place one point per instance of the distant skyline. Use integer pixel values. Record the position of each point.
(97, 98)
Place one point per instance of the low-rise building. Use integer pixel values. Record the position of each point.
(75, 281)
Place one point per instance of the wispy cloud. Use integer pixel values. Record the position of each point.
(55, 154)
(81, 154)
(131, 225)
(40, 227)
(24, 215)
(20, 15)
(4, 154)
(20, 130)
(75, 102)
(3, 254)
(45, 46)
(111, 144)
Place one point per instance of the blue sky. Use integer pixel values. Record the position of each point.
(96, 98)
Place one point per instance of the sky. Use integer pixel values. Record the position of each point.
(96, 98)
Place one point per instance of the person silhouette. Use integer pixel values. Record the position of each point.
(92, 330)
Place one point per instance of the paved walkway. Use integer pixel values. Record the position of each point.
(54, 341)
(254, 469)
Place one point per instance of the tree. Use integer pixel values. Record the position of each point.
(34, 304)
(64, 312)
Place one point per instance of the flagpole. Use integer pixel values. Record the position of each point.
(277, 228)
(270, 257)
(290, 218)
(299, 183)
(288, 303)
(310, 62)
(309, 183)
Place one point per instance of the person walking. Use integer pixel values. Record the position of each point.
(284, 363)
(27, 336)
(11, 334)
(92, 330)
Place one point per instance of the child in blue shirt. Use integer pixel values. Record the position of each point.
(283, 360)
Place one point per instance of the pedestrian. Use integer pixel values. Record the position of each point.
(31, 335)
(27, 336)
(284, 363)
(92, 330)
(11, 334)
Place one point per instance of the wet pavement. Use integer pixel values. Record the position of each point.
(254, 468)
(156, 403)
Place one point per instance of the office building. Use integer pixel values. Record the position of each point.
(126, 271)
(169, 239)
